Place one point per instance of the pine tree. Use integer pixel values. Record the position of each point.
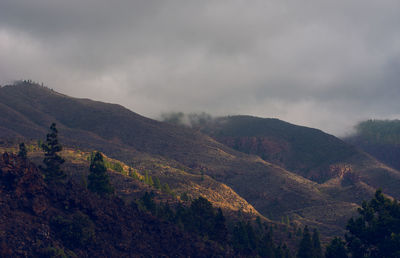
(98, 180)
(157, 183)
(22, 153)
(376, 233)
(267, 245)
(336, 249)
(166, 189)
(133, 174)
(52, 171)
(151, 182)
(306, 245)
(220, 230)
(317, 250)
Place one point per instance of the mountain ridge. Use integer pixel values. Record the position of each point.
(123, 134)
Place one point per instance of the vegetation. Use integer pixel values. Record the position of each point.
(137, 140)
(380, 138)
(98, 179)
(52, 171)
(379, 131)
(204, 220)
(376, 232)
(75, 232)
(22, 153)
(336, 249)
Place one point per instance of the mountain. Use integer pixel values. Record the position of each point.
(379, 138)
(307, 151)
(193, 162)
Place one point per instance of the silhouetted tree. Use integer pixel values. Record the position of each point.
(22, 153)
(317, 250)
(52, 171)
(220, 231)
(306, 245)
(202, 213)
(147, 202)
(267, 247)
(376, 233)
(98, 180)
(336, 249)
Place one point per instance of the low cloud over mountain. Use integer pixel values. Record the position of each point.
(317, 63)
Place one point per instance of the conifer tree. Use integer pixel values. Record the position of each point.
(220, 230)
(166, 189)
(133, 174)
(52, 171)
(267, 245)
(317, 250)
(157, 183)
(306, 245)
(336, 249)
(98, 180)
(22, 153)
(376, 233)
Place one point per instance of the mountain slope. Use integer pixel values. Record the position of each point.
(66, 220)
(380, 138)
(306, 151)
(137, 140)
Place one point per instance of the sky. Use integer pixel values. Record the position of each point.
(318, 63)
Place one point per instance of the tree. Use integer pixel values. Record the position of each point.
(336, 249)
(220, 231)
(52, 171)
(147, 202)
(376, 233)
(317, 250)
(202, 216)
(157, 183)
(22, 153)
(306, 245)
(132, 173)
(98, 180)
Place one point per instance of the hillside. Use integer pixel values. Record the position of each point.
(66, 220)
(379, 138)
(188, 160)
(308, 152)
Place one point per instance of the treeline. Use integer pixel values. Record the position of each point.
(380, 138)
(375, 233)
(379, 131)
(244, 237)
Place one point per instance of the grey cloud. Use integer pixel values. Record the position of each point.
(325, 64)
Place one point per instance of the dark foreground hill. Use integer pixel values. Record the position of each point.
(40, 220)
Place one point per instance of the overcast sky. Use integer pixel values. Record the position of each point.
(319, 63)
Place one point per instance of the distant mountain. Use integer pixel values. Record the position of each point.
(380, 138)
(331, 162)
(184, 157)
(308, 152)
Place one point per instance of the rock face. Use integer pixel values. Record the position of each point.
(43, 220)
